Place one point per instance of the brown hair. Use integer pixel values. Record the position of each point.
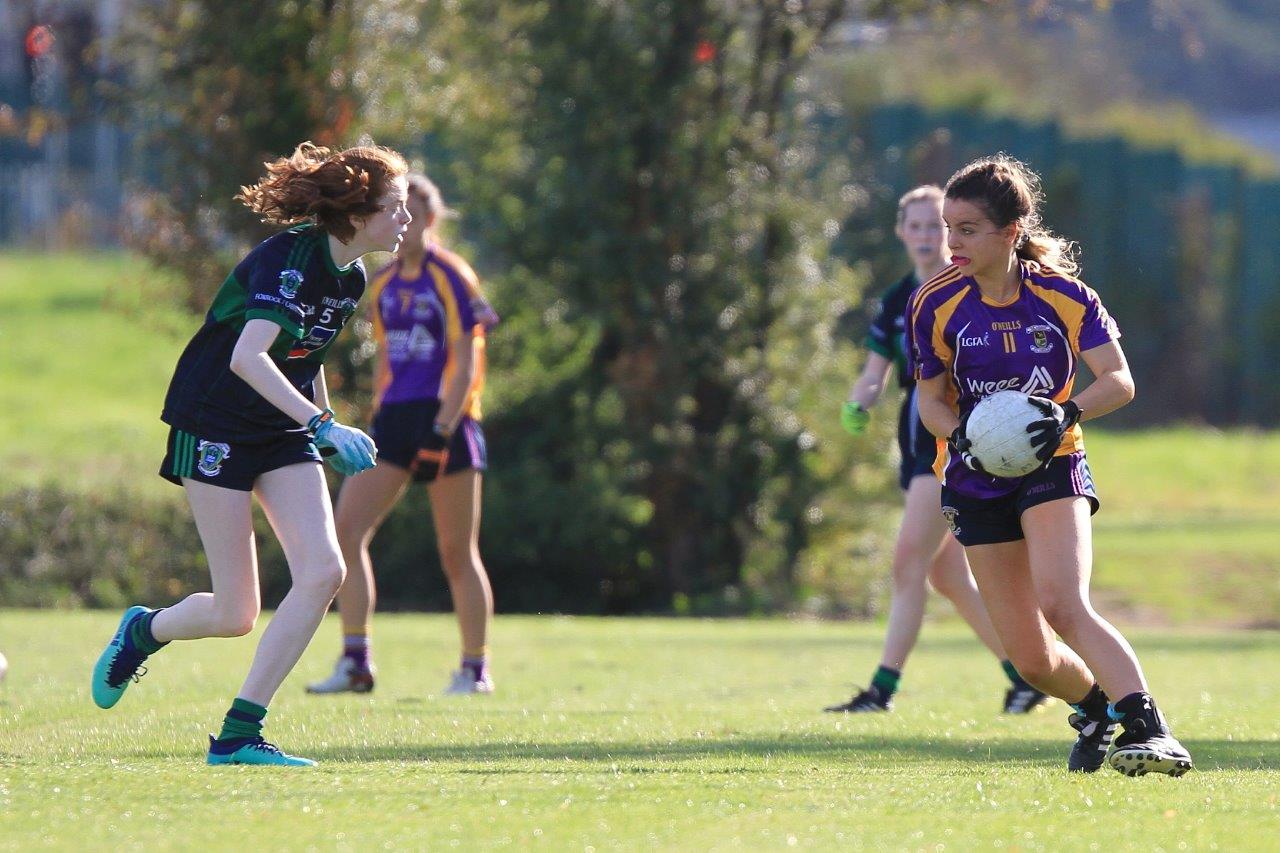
(1009, 191)
(328, 187)
(925, 192)
(423, 187)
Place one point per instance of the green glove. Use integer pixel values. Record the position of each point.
(854, 418)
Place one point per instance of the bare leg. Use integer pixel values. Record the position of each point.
(1004, 579)
(223, 518)
(455, 507)
(1059, 537)
(951, 577)
(363, 503)
(296, 501)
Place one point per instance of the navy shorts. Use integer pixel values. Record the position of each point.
(399, 429)
(232, 465)
(917, 445)
(988, 521)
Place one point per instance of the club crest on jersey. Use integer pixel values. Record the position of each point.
(211, 455)
(950, 514)
(290, 281)
(1040, 342)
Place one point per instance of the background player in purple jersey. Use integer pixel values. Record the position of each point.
(924, 548)
(430, 321)
(1010, 314)
(248, 409)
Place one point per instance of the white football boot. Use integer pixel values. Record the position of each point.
(346, 678)
(462, 683)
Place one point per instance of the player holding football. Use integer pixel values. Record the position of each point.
(430, 321)
(1010, 314)
(249, 415)
(924, 547)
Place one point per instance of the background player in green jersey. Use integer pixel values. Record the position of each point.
(924, 547)
(249, 415)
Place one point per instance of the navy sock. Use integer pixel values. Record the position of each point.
(242, 724)
(886, 680)
(139, 633)
(1094, 705)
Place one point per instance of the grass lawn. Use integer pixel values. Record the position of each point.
(623, 733)
(89, 345)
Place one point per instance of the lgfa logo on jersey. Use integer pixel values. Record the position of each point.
(211, 455)
(290, 281)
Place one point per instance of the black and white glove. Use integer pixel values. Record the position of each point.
(961, 445)
(1047, 432)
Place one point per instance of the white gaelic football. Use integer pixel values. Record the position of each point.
(997, 428)
(4, 666)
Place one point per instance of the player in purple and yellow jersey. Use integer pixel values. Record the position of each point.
(924, 548)
(249, 415)
(1010, 314)
(430, 322)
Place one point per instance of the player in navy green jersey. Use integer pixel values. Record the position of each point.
(924, 548)
(249, 415)
(1009, 314)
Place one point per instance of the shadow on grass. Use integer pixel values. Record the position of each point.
(1208, 754)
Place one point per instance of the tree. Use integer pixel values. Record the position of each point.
(644, 175)
(216, 89)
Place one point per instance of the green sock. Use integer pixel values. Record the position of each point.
(243, 720)
(1010, 671)
(140, 633)
(886, 680)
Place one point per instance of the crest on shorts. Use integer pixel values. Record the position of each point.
(950, 514)
(1040, 342)
(290, 281)
(211, 455)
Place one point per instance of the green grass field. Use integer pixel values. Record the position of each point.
(90, 344)
(623, 733)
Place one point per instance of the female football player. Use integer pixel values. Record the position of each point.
(924, 547)
(249, 415)
(1010, 314)
(430, 320)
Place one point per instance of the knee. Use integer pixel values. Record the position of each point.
(352, 533)
(322, 580)
(949, 580)
(1034, 665)
(1065, 614)
(237, 620)
(455, 555)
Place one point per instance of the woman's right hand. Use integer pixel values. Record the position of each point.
(349, 450)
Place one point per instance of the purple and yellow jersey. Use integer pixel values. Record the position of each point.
(418, 320)
(291, 280)
(1031, 344)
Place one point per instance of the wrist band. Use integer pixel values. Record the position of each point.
(314, 424)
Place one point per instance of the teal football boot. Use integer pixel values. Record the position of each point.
(119, 663)
(253, 750)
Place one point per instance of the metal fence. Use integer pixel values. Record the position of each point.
(1185, 255)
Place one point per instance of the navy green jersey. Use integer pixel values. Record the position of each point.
(888, 333)
(291, 280)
